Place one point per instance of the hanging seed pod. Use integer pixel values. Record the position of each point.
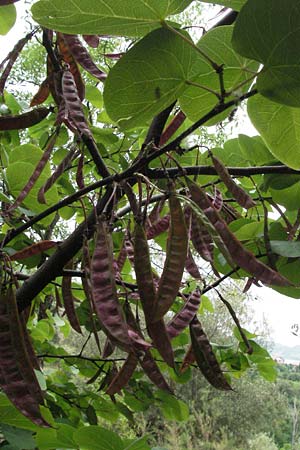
(68, 58)
(205, 357)
(42, 94)
(191, 267)
(158, 227)
(25, 120)
(241, 256)
(123, 376)
(92, 40)
(158, 333)
(188, 360)
(32, 250)
(237, 191)
(201, 240)
(154, 374)
(83, 57)
(154, 215)
(122, 256)
(172, 128)
(108, 348)
(17, 377)
(183, 318)
(217, 200)
(69, 301)
(175, 260)
(104, 289)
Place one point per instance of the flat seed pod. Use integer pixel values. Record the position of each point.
(17, 377)
(205, 357)
(69, 302)
(175, 260)
(108, 348)
(183, 318)
(34, 249)
(172, 128)
(68, 58)
(218, 200)
(237, 191)
(158, 227)
(154, 374)
(241, 256)
(83, 57)
(123, 376)
(188, 360)
(201, 240)
(25, 120)
(161, 340)
(104, 289)
(42, 94)
(191, 267)
(143, 271)
(92, 40)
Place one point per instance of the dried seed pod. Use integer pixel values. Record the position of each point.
(183, 318)
(205, 357)
(42, 94)
(25, 120)
(237, 191)
(241, 256)
(108, 348)
(92, 40)
(83, 57)
(123, 376)
(161, 340)
(152, 371)
(218, 200)
(191, 267)
(68, 58)
(158, 227)
(33, 249)
(201, 239)
(104, 289)
(17, 377)
(188, 360)
(172, 128)
(69, 301)
(175, 259)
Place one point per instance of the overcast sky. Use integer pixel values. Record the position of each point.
(281, 312)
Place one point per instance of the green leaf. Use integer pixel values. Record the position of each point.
(8, 15)
(97, 438)
(254, 150)
(291, 271)
(112, 17)
(279, 126)
(195, 101)
(138, 444)
(269, 31)
(148, 78)
(233, 4)
(21, 439)
(290, 249)
(93, 95)
(62, 437)
(171, 407)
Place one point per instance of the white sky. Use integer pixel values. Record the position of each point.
(280, 312)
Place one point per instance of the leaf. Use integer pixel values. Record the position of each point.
(175, 260)
(133, 91)
(22, 439)
(269, 32)
(8, 15)
(289, 249)
(138, 444)
(279, 126)
(97, 438)
(196, 101)
(111, 17)
(171, 407)
(104, 292)
(255, 150)
(234, 4)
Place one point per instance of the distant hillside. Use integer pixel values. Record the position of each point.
(285, 352)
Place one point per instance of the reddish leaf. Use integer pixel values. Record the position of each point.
(205, 357)
(69, 301)
(241, 256)
(123, 376)
(25, 120)
(183, 318)
(83, 57)
(237, 191)
(33, 249)
(17, 377)
(42, 94)
(104, 289)
(92, 40)
(36, 173)
(175, 259)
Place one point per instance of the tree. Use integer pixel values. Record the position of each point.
(161, 216)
